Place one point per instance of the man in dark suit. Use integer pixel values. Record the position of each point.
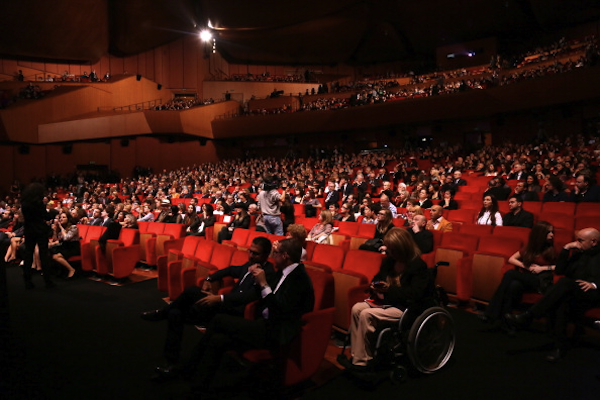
(516, 216)
(571, 296)
(458, 181)
(422, 236)
(361, 186)
(584, 191)
(284, 299)
(518, 173)
(113, 228)
(346, 189)
(198, 306)
(333, 196)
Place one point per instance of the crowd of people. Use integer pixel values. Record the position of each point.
(373, 188)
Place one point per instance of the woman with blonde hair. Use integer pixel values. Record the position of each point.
(322, 229)
(402, 280)
(410, 214)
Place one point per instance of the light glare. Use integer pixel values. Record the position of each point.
(205, 35)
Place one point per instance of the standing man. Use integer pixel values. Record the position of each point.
(269, 201)
(37, 232)
(516, 216)
(284, 300)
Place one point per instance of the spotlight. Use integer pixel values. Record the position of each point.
(205, 35)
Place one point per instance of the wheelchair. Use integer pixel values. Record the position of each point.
(424, 336)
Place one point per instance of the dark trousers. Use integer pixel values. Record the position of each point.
(31, 240)
(184, 311)
(224, 333)
(514, 283)
(563, 302)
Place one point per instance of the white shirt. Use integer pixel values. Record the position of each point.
(487, 220)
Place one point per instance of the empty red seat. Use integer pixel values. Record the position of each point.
(558, 207)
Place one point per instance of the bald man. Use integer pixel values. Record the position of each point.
(437, 221)
(571, 296)
(422, 236)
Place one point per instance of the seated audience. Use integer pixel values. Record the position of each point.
(585, 191)
(555, 190)
(65, 242)
(533, 272)
(240, 221)
(448, 202)
(198, 305)
(489, 213)
(437, 221)
(322, 230)
(516, 216)
(402, 280)
(573, 294)
(385, 224)
(422, 237)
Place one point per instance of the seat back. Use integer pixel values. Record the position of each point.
(559, 208)
(348, 228)
(323, 286)
(500, 245)
(474, 229)
(512, 232)
(238, 238)
(239, 257)
(129, 237)
(559, 220)
(588, 221)
(466, 216)
(487, 274)
(204, 250)
(327, 255)
(366, 230)
(362, 261)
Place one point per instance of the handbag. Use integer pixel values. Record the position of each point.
(372, 244)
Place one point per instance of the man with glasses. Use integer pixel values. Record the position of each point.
(199, 306)
(283, 300)
(571, 296)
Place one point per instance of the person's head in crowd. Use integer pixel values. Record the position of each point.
(515, 203)
(419, 221)
(490, 203)
(297, 232)
(325, 217)
(554, 184)
(384, 217)
(286, 252)
(334, 208)
(207, 210)
(259, 250)
(436, 212)
(583, 183)
(384, 200)
(400, 245)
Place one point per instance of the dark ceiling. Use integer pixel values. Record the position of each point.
(280, 32)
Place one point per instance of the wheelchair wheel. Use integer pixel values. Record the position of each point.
(431, 340)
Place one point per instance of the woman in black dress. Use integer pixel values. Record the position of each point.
(66, 243)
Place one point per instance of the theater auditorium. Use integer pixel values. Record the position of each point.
(165, 144)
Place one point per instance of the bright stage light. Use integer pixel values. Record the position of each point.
(205, 35)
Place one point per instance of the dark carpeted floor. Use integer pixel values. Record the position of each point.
(85, 340)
